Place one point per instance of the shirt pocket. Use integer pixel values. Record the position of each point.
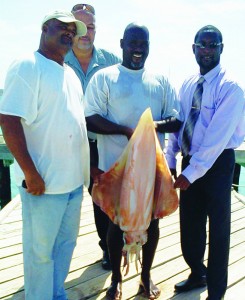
(207, 115)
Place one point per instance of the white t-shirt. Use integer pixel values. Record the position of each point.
(121, 95)
(48, 98)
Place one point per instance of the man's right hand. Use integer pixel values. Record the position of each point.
(35, 185)
(129, 132)
(95, 172)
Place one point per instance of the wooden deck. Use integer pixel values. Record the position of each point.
(87, 280)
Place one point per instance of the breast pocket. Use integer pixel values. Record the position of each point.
(207, 115)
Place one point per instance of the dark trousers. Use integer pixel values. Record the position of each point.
(115, 245)
(209, 196)
(100, 218)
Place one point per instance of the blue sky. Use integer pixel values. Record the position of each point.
(172, 25)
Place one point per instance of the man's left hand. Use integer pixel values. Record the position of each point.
(182, 182)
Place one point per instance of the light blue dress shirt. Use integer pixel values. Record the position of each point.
(220, 126)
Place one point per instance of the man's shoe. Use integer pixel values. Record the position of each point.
(106, 263)
(114, 291)
(190, 284)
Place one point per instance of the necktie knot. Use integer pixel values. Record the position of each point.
(201, 80)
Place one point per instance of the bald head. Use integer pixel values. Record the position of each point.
(83, 15)
(209, 28)
(134, 26)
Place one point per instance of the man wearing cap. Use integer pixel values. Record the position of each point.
(42, 119)
(86, 60)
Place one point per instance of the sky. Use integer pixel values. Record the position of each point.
(172, 25)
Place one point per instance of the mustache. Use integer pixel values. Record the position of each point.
(66, 38)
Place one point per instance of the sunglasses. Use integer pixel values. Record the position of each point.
(210, 46)
(83, 7)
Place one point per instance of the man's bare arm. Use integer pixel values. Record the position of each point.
(15, 140)
(98, 124)
(170, 124)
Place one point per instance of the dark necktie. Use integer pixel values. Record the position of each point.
(192, 118)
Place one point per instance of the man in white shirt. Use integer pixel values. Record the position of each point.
(42, 119)
(207, 165)
(115, 99)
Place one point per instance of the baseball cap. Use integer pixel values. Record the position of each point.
(66, 17)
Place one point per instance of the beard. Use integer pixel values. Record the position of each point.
(64, 40)
(84, 45)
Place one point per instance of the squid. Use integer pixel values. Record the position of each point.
(137, 188)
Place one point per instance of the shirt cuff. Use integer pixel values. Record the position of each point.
(192, 173)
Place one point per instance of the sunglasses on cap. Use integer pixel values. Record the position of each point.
(83, 7)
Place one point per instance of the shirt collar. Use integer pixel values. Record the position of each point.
(211, 74)
(70, 56)
(98, 57)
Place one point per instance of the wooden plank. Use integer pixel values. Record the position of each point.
(95, 269)
(87, 280)
(236, 291)
(164, 275)
(11, 261)
(9, 209)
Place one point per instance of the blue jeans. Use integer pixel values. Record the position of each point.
(50, 229)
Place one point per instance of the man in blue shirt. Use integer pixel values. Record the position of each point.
(86, 60)
(208, 165)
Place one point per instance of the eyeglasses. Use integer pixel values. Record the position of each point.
(210, 46)
(83, 6)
